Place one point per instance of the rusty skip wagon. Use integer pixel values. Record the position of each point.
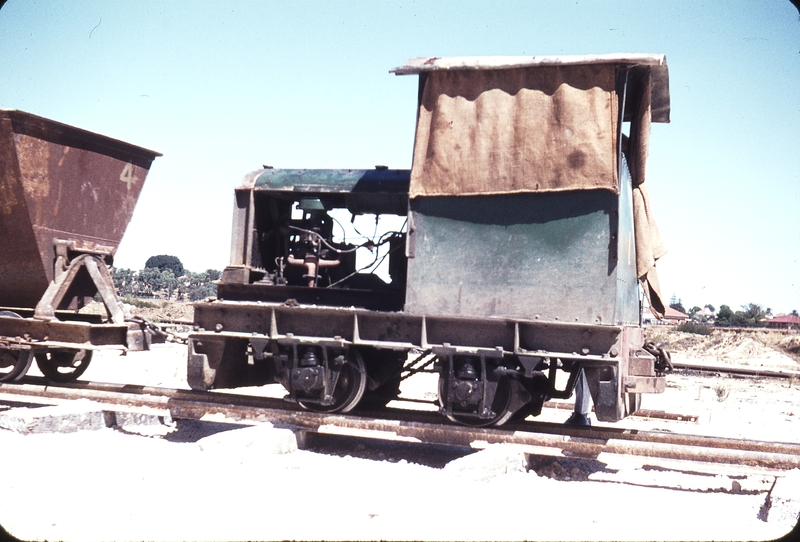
(66, 198)
(513, 251)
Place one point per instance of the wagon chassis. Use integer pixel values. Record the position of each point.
(62, 341)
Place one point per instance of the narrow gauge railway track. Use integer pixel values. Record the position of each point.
(417, 426)
(736, 371)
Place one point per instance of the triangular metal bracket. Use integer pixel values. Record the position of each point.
(100, 275)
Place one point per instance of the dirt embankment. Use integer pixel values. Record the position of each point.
(155, 311)
(759, 346)
(164, 311)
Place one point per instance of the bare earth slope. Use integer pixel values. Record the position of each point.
(759, 347)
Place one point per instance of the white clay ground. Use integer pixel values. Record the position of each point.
(209, 481)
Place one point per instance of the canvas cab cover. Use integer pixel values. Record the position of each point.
(513, 125)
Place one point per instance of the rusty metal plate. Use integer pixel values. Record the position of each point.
(55, 332)
(542, 256)
(60, 182)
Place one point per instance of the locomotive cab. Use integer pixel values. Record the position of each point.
(331, 237)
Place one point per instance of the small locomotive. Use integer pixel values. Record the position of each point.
(510, 258)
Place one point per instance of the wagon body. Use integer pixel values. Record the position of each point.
(60, 183)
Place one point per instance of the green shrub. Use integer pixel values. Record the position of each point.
(697, 329)
(140, 303)
(164, 262)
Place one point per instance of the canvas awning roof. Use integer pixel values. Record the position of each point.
(659, 71)
(527, 124)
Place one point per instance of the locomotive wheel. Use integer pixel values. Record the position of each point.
(14, 364)
(349, 387)
(380, 363)
(538, 388)
(63, 365)
(500, 406)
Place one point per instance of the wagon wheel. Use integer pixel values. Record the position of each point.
(63, 365)
(14, 364)
(349, 387)
(500, 406)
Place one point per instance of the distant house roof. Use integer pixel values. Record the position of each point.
(672, 314)
(785, 319)
(669, 314)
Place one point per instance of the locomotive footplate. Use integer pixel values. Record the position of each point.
(329, 358)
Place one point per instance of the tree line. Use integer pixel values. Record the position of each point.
(750, 315)
(164, 277)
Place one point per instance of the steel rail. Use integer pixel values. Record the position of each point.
(641, 413)
(419, 426)
(737, 370)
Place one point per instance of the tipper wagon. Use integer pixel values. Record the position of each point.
(66, 198)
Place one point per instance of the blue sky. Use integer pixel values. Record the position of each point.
(221, 88)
